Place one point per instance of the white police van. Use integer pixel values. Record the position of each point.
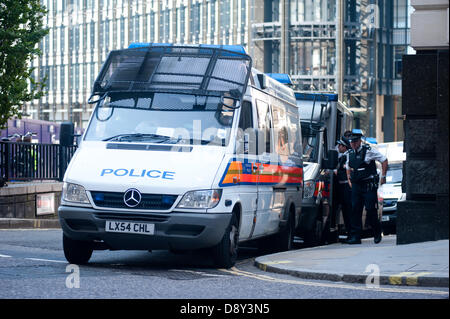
(188, 147)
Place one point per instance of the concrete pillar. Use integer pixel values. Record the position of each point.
(424, 215)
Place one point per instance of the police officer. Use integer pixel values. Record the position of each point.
(343, 192)
(363, 180)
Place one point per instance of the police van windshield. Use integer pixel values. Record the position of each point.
(162, 118)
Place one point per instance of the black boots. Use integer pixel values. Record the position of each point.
(377, 238)
(354, 241)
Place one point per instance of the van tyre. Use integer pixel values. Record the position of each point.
(76, 251)
(314, 235)
(225, 252)
(283, 240)
(328, 236)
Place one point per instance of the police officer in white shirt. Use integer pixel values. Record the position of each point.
(363, 179)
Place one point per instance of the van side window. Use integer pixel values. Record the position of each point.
(264, 124)
(280, 127)
(294, 136)
(246, 128)
(246, 120)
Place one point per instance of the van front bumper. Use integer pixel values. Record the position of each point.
(172, 230)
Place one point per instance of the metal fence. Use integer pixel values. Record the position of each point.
(28, 161)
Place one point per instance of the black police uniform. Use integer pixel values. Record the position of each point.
(364, 180)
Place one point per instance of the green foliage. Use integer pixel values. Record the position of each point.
(21, 29)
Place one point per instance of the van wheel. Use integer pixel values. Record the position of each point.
(314, 235)
(225, 252)
(76, 251)
(283, 240)
(328, 236)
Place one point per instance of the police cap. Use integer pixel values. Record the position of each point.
(356, 135)
(344, 141)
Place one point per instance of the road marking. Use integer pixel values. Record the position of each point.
(49, 260)
(411, 278)
(5, 256)
(238, 272)
(244, 261)
(278, 262)
(201, 273)
(397, 279)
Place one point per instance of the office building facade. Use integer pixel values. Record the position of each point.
(352, 47)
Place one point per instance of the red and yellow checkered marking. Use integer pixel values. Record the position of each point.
(268, 174)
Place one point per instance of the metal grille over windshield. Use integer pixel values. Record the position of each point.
(178, 69)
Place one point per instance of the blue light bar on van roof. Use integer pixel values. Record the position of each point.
(322, 97)
(281, 77)
(148, 44)
(233, 48)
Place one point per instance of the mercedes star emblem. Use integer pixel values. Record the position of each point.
(132, 197)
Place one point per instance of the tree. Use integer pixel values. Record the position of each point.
(21, 29)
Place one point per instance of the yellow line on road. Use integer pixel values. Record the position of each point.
(238, 272)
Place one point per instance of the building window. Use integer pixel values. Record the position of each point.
(401, 14)
(84, 37)
(243, 20)
(152, 26)
(107, 35)
(85, 81)
(101, 35)
(195, 22)
(62, 78)
(225, 21)
(166, 25)
(212, 20)
(122, 31)
(182, 23)
(92, 35)
(62, 38)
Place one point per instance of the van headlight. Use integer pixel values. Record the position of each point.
(309, 189)
(73, 193)
(201, 199)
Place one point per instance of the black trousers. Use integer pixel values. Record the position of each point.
(363, 195)
(344, 200)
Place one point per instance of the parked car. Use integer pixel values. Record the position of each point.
(391, 193)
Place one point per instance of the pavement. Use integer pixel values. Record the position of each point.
(386, 263)
(25, 223)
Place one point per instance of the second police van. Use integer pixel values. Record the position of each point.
(188, 147)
